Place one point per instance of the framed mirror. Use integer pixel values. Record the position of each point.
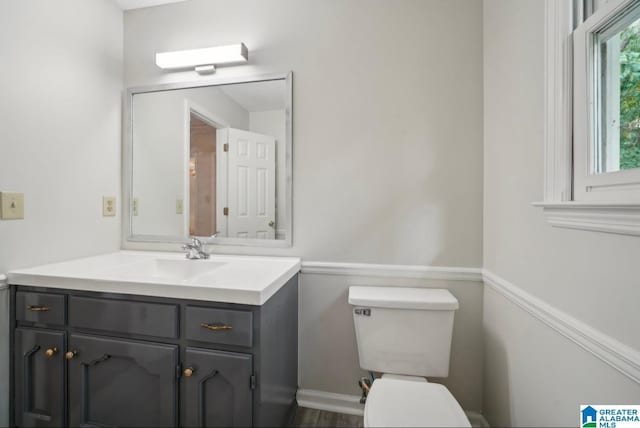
(211, 160)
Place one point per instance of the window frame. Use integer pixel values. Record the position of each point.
(561, 208)
(615, 186)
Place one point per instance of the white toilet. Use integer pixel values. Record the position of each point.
(405, 333)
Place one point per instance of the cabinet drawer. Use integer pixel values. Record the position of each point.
(120, 316)
(40, 307)
(224, 326)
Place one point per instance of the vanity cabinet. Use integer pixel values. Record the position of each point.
(116, 382)
(87, 359)
(39, 377)
(217, 390)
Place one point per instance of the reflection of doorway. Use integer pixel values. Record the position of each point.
(251, 184)
(202, 177)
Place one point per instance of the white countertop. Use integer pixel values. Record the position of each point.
(249, 280)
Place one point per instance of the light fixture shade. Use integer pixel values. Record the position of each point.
(206, 56)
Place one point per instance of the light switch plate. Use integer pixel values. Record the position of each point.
(11, 206)
(179, 206)
(108, 206)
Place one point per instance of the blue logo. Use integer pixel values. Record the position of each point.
(609, 416)
(589, 417)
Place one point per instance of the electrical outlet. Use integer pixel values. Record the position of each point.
(134, 206)
(108, 206)
(11, 206)
(179, 206)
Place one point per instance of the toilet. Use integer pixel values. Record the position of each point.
(405, 333)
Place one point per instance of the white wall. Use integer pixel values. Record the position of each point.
(60, 125)
(534, 377)
(387, 121)
(387, 135)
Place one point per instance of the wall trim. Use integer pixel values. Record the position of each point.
(558, 100)
(330, 401)
(3, 282)
(393, 271)
(622, 219)
(616, 354)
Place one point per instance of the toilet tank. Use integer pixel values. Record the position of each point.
(403, 330)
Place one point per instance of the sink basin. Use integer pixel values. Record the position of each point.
(169, 269)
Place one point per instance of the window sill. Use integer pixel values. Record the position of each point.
(622, 219)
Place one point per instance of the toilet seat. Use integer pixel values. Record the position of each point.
(410, 402)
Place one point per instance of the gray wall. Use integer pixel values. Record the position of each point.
(60, 131)
(388, 115)
(534, 377)
(328, 354)
(387, 146)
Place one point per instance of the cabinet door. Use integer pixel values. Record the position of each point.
(39, 378)
(126, 383)
(218, 391)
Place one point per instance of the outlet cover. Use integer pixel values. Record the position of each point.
(179, 206)
(108, 206)
(134, 206)
(11, 206)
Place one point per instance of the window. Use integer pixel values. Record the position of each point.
(592, 117)
(606, 120)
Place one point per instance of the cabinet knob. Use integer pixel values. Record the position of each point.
(188, 372)
(50, 352)
(69, 355)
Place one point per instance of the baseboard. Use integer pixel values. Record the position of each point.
(477, 420)
(393, 271)
(616, 354)
(329, 401)
(350, 405)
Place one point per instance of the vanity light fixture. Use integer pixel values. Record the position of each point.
(203, 60)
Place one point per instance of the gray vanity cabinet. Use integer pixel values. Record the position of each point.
(117, 382)
(39, 368)
(89, 359)
(216, 389)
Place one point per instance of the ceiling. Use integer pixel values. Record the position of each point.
(137, 4)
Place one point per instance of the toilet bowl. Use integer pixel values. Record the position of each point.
(404, 401)
(406, 333)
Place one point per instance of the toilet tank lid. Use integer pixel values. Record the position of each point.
(403, 298)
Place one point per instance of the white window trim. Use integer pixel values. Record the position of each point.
(559, 206)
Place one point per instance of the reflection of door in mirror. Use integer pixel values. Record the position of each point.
(202, 178)
(251, 183)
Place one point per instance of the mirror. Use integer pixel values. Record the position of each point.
(210, 160)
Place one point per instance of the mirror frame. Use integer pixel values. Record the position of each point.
(127, 164)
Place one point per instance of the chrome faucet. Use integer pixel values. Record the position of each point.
(195, 250)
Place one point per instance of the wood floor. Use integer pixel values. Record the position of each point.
(311, 418)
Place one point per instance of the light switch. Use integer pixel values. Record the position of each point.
(134, 206)
(179, 206)
(12, 206)
(108, 206)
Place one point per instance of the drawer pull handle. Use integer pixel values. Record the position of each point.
(51, 352)
(214, 327)
(37, 308)
(189, 371)
(70, 355)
